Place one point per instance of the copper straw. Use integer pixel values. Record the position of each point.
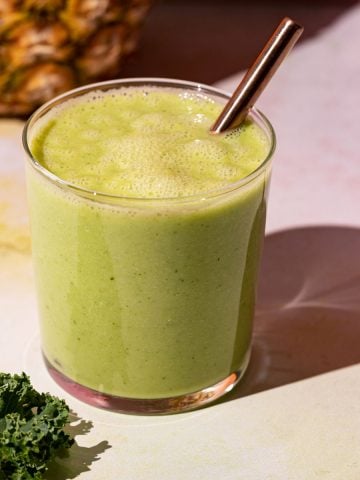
(258, 76)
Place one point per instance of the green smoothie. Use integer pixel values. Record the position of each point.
(146, 253)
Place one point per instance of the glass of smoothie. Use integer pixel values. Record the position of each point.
(146, 234)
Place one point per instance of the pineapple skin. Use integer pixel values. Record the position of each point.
(50, 46)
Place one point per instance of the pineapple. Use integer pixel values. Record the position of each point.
(50, 46)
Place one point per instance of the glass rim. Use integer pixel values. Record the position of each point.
(254, 113)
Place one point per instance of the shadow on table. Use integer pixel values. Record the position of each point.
(308, 311)
(70, 463)
(208, 40)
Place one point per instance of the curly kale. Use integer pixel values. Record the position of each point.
(31, 428)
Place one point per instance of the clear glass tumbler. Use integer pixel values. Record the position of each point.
(146, 305)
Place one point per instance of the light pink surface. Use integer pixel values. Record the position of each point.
(313, 102)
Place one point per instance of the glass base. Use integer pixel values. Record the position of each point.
(155, 406)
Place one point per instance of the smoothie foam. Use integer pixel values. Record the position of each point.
(146, 143)
(146, 299)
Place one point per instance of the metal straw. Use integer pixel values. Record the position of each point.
(259, 74)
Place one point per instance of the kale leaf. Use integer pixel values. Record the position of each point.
(31, 428)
